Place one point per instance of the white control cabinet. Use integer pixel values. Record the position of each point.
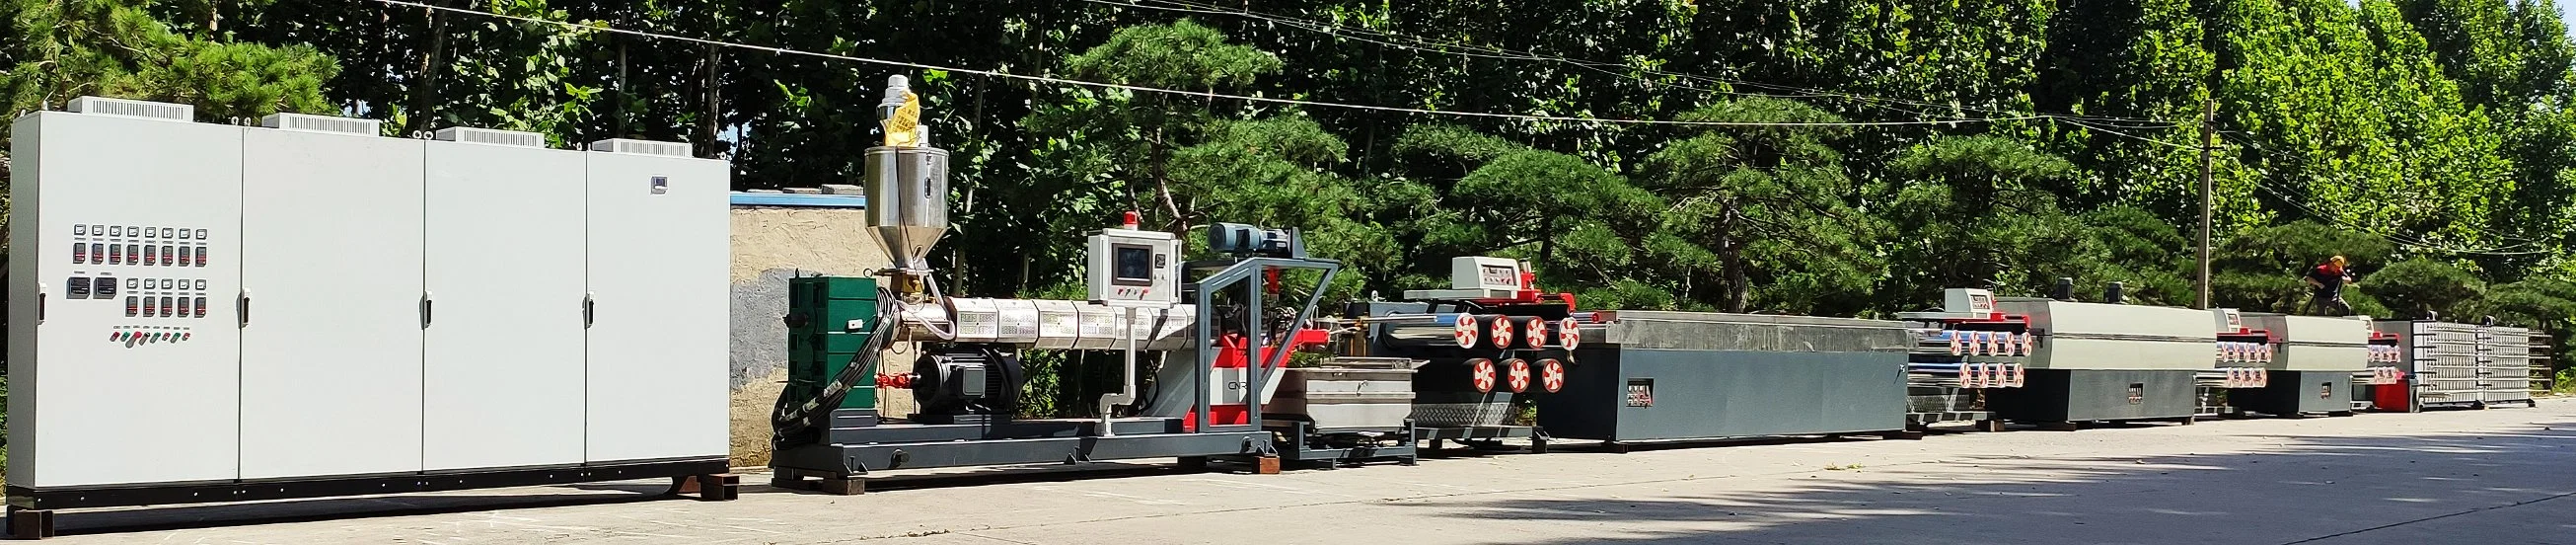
(129, 390)
(502, 355)
(659, 266)
(220, 310)
(331, 268)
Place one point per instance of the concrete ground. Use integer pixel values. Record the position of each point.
(2491, 477)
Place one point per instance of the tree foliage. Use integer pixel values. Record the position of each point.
(2434, 141)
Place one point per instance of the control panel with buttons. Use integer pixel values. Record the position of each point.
(127, 270)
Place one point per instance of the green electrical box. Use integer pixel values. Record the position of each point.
(828, 320)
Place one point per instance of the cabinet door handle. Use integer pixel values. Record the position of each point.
(589, 310)
(245, 308)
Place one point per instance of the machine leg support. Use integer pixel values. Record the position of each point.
(1538, 444)
(1194, 463)
(1990, 425)
(30, 524)
(841, 487)
(719, 487)
(1265, 465)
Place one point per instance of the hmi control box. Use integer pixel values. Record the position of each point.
(308, 299)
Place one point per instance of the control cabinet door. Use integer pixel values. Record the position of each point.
(660, 260)
(100, 392)
(502, 357)
(331, 263)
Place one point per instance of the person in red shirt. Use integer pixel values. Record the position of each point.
(2325, 286)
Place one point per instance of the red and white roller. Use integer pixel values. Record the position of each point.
(1568, 334)
(1958, 344)
(1481, 372)
(1970, 376)
(1502, 331)
(2029, 344)
(2003, 344)
(1464, 328)
(1551, 375)
(1519, 375)
(2020, 376)
(2263, 353)
(1534, 332)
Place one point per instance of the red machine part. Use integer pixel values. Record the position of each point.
(1534, 332)
(1568, 334)
(1465, 330)
(1502, 331)
(1519, 376)
(1229, 355)
(1481, 371)
(1551, 375)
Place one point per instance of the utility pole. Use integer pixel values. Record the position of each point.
(2208, 142)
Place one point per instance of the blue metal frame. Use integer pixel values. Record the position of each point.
(800, 200)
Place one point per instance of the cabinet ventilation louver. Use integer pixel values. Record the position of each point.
(642, 147)
(133, 108)
(489, 136)
(315, 123)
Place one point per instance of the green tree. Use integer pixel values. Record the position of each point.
(2259, 269)
(2418, 288)
(1771, 206)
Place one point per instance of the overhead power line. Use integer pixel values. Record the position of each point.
(1198, 94)
(1492, 52)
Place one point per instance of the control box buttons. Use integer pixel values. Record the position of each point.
(150, 233)
(201, 283)
(150, 256)
(201, 234)
(80, 253)
(77, 287)
(166, 283)
(201, 256)
(151, 307)
(105, 286)
(115, 230)
(115, 254)
(169, 253)
(133, 283)
(133, 306)
(201, 307)
(166, 308)
(165, 232)
(80, 230)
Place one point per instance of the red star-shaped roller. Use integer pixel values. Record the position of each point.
(1551, 375)
(1464, 330)
(1519, 376)
(1481, 371)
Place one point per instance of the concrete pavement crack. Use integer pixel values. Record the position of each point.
(2428, 519)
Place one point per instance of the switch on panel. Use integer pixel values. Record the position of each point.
(77, 287)
(106, 287)
(80, 253)
(168, 253)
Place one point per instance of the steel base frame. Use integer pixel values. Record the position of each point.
(31, 510)
(1302, 442)
(1484, 437)
(1942, 404)
(905, 446)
